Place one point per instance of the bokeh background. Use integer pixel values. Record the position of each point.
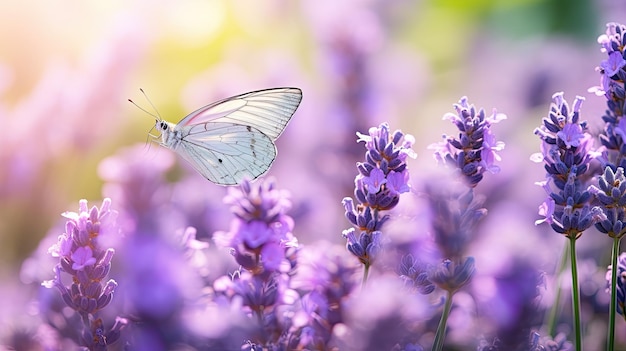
(68, 68)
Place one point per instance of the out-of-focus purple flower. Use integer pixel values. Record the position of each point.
(547, 343)
(452, 275)
(621, 283)
(384, 318)
(258, 294)
(261, 241)
(414, 274)
(488, 345)
(136, 179)
(410, 347)
(567, 151)
(82, 256)
(381, 179)
(268, 304)
(158, 282)
(455, 215)
(510, 303)
(93, 86)
(260, 234)
(475, 150)
(325, 277)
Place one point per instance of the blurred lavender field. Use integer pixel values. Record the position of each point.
(179, 263)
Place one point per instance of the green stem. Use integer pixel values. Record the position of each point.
(552, 315)
(441, 329)
(575, 295)
(613, 307)
(366, 271)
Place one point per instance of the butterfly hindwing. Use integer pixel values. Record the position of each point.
(225, 153)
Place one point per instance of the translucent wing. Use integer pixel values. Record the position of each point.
(268, 110)
(225, 153)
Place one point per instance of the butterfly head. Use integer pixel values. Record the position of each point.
(161, 126)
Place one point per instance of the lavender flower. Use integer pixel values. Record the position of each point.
(260, 236)
(547, 343)
(512, 308)
(414, 274)
(535, 343)
(567, 150)
(384, 318)
(261, 241)
(82, 256)
(475, 150)
(611, 194)
(381, 179)
(453, 275)
(325, 278)
(613, 137)
(137, 181)
(383, 176)
(456, 213)
(621, 283)
(488, 345)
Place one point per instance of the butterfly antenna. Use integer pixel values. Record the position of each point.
(151, 104)
(155, 115)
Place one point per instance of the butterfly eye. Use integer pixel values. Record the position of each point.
(163, 125)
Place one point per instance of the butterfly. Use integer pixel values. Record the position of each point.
(232, 139)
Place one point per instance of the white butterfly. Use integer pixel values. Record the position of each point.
(232, 139)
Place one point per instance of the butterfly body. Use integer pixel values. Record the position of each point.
(233, 139)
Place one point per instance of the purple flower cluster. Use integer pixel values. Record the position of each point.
(291, 297)
(611, 190)
(613, 75)
(325, 279)
(414, 275)
(611, 194)
(621, 283)
(456, 213)
(474, 152)
(453, 275)
(263, 245)
(82, 256)
(381, 179)
(260, 236)
(455, 210)
(566, 150)
(535, 343)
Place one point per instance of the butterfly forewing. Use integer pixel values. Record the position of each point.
(268, 111)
